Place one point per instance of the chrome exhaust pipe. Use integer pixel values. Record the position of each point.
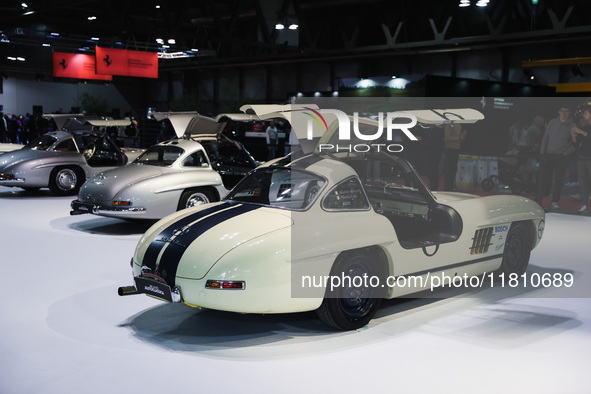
(127, 290)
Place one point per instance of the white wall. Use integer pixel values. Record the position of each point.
(20, 95)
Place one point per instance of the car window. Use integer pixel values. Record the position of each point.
(160, 155)
(346, 196)
(279, 187)
(43, 142)
(197, 159)
(66, 146)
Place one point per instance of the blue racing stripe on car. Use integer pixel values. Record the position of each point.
(151, 256)
(174, 252)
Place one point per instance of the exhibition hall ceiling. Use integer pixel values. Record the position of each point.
(193, 34)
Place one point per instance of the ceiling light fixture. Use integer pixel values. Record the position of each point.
(279, 26)
(293, 26)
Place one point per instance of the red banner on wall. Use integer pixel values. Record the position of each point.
(125, 62)
(76, 65)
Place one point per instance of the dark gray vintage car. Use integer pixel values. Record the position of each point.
(63, 160)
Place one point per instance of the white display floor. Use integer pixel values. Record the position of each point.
(64, 329)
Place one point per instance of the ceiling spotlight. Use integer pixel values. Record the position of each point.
(528, 73)
(464, 3)
(293, 26)
(171, 41)
(279, 26)
(94, 38)
(157, 6)
(91, 18)
(24, 5)
(482, 3)
(160, 41)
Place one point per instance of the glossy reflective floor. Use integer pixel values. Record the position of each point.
(64, 329)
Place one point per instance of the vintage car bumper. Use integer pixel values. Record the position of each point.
(79, 208)
(10, 180)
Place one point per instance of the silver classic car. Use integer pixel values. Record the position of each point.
(63, 160)
(199, 168)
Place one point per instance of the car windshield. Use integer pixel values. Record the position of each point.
(42, 143)
(279, 187)
(160, 155)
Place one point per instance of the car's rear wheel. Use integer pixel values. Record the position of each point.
(517, 250)
(353, 304)
(65, 181)
(195, 197)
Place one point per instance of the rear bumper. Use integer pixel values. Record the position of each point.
(10, 181)
(79, 208)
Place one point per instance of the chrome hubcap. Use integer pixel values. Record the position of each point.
(66, 179)
(197, 199)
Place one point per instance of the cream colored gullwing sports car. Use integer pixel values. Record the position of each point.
(332, 232)
(199, 167)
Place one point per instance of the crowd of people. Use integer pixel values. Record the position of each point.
(22, 129)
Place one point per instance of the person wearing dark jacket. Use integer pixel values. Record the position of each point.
(555, 149)
(582, 138)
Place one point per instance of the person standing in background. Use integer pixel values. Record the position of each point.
(272, 139)
(3, 129)
(582, 138)
(453, 135)
(555, 149)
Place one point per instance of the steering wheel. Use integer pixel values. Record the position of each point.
(89, 151)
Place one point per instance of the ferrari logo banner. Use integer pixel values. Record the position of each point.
(76, 65)
(127, 63)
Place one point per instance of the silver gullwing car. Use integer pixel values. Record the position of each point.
(199, 168)
(63, 160)
(334, 232)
